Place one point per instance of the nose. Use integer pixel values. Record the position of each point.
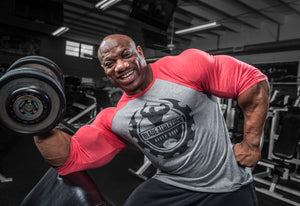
(121, 65)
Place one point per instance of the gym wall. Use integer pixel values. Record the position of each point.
(13, 40)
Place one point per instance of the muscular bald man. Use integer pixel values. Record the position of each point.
(170, 111)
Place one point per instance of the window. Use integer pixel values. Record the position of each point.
(79, 50)
(72, 48)
(86, 51)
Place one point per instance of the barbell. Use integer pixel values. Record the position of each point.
(32, 98)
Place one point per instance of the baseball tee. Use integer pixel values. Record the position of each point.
(176, 122)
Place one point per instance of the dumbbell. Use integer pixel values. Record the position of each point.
(32, 98)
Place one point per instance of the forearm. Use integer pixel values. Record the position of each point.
(254, 103)
(54, 146)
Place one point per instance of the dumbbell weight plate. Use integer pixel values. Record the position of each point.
(42, 63)
(40, 91)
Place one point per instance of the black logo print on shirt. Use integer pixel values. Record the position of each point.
(165, 130)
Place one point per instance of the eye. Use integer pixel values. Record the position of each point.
(108, 64)
(127, 54)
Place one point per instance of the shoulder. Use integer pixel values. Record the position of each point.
(193, 52)
(105, 117)
(187, 58)
(196, 55)
(186, 63)
(189, 53)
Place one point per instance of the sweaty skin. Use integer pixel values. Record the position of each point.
(124, 64)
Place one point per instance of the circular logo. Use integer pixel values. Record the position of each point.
(164, 130)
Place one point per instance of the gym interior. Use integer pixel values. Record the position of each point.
(262, 33)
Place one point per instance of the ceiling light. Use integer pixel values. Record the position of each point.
(104, 4)
(100, 3)
(198, 28)
(60, 31)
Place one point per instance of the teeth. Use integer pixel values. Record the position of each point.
(126, 76)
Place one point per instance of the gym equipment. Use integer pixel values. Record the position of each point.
(140, 172)
(32, 96)
(5, 179)
(76, 188)
(90, 110)
(281, 156)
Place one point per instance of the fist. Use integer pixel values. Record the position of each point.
(246, 155)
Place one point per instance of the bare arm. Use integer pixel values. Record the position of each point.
(254, 103)
(54, 146)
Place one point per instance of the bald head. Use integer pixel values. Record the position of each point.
(120, 37)
(113, 41)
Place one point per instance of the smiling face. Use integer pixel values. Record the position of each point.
(124, 64)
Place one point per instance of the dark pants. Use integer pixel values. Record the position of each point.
(156, 193)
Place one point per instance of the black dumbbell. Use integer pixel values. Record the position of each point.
(32, 96)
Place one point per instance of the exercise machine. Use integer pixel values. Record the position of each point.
(282, 162)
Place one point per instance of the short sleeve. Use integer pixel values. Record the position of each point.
(221, 75)
(93, 145)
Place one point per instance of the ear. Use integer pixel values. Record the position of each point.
(140, 50)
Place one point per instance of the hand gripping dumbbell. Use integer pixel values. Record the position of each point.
(32, 98)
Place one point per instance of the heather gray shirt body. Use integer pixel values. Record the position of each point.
(178, 124)
(183, 133)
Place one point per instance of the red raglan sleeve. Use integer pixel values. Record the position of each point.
(221, 75)
(93, 145)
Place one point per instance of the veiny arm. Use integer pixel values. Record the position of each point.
(254, 103)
